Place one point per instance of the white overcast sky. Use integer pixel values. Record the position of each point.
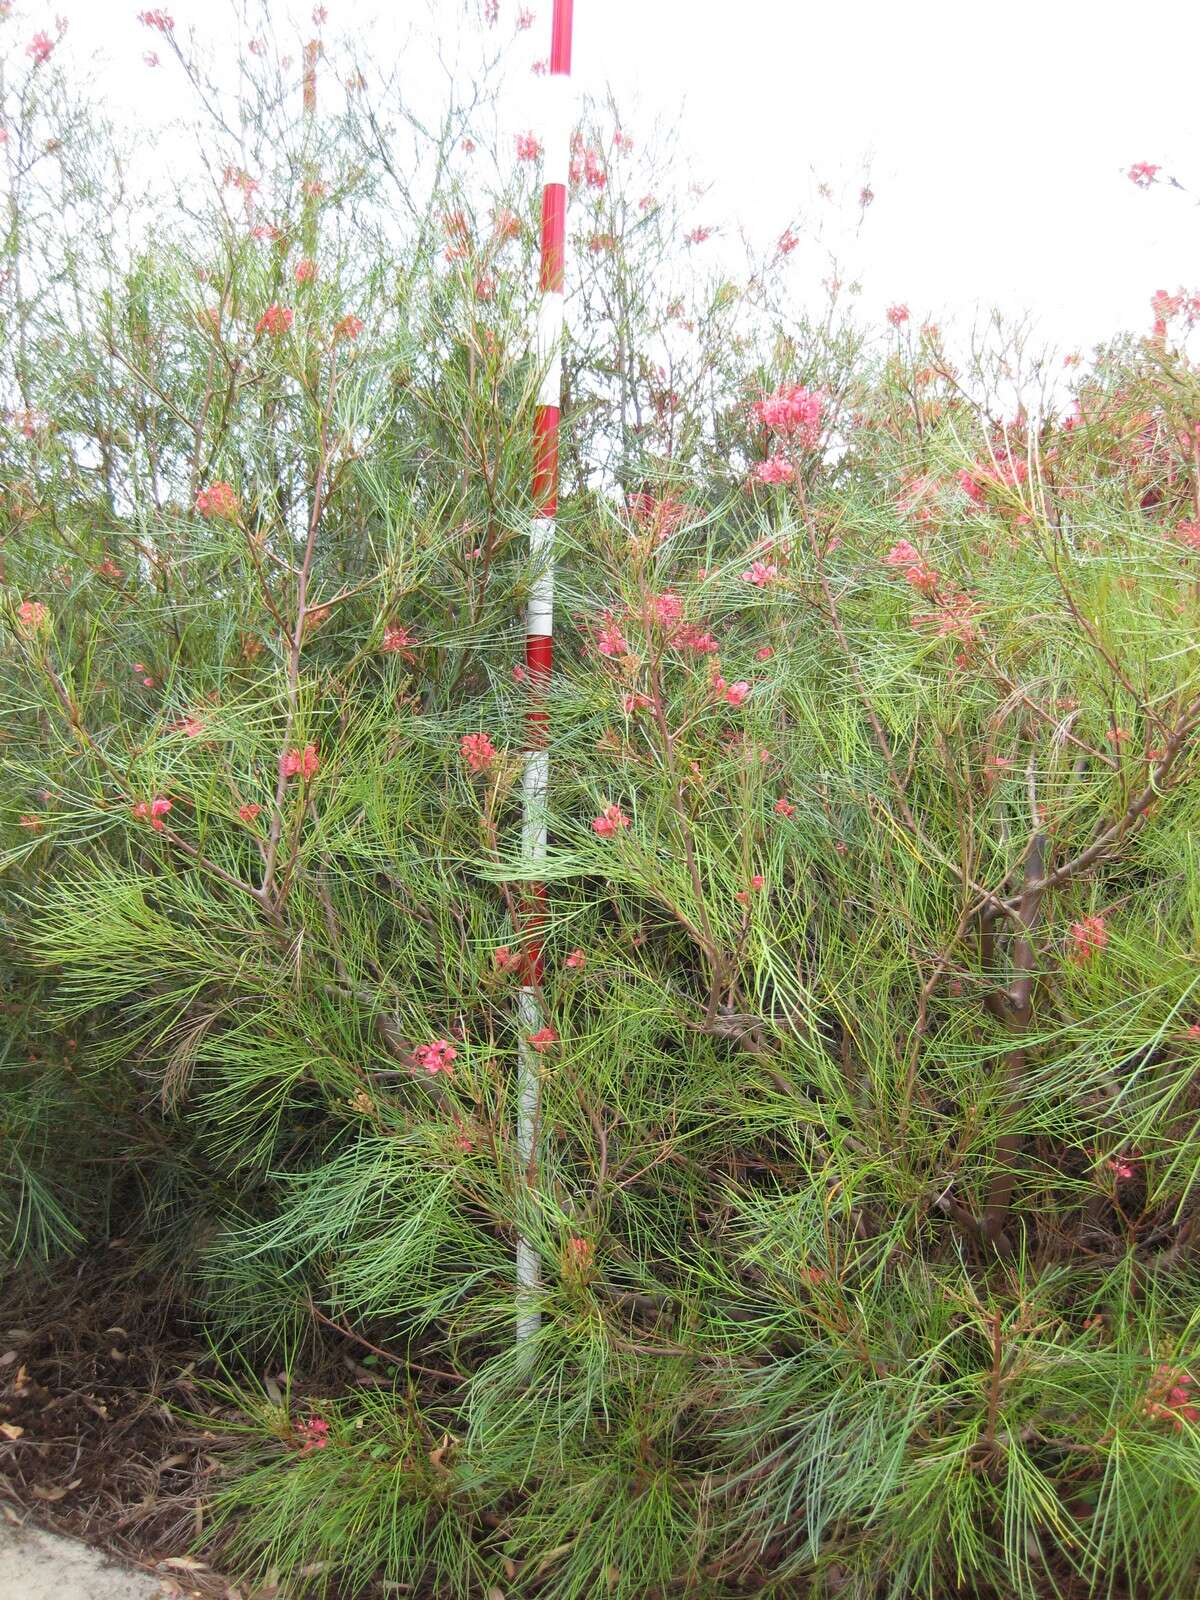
(997, 136)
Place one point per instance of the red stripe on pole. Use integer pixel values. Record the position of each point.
(533, 920)
(554, 234)
(539, 656)
(560, 36)
(539, 663)
(545, 461)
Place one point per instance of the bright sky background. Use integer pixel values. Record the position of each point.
(998, 137)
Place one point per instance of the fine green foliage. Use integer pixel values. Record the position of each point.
(864, 1192)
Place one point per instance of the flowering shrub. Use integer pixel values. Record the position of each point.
(864, 1193)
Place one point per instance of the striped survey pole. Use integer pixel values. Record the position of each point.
(539, 622)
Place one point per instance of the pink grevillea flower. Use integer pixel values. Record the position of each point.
(610, 821)
(40, 47)
(1006, 472)
(1170, 1398)
(1088, 937)
(897, 315)
(763, 653)
(301, 763)
(580, 1255)
(152, 811)
(631, 704)
(610, 641)
(32, 615)
(1121, 1167)
(576, 961)
(478, 751)
(313, 1434)
(396, 640)
(542, 1040)
(156, 19)
(275, 321)
(904, 554)
(783, 807)
(907, 558)
(462, 1138)
(529, 147)
(756, 884)
(793, 410)
(1165, 306)
(348, 328)
(1188, 533)
(1143, 173)
(658, 516)
(32, 822)
(305, 271)
(439, 1055)
(218, 501)
(761, 574)
(506, 960)
(955, 617)
(506, 225)
(525, 20)
(665, 608)
(733, 693)
(691, 637)
(586, 164)
(787, 242)
(697, 235)
(775, 469)
(249, 812)
(485, 287)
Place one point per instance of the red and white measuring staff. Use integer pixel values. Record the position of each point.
(539, 618)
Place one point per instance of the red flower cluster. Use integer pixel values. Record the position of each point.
(478, 751)
(660, 516)
(151, 811)
(301, 763)
(276, 320)
(585, 165)
(1088, 936)
(218, 500)
(610, 821)
(314, 1434)
(1170, 1398)
(793, 411)
(439, 1055)
(396, 640)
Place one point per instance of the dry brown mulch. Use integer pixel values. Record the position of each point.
(92, 1360)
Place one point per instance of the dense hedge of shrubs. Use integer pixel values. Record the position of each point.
(865, 1184)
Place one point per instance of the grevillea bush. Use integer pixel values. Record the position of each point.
(865, 1183)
